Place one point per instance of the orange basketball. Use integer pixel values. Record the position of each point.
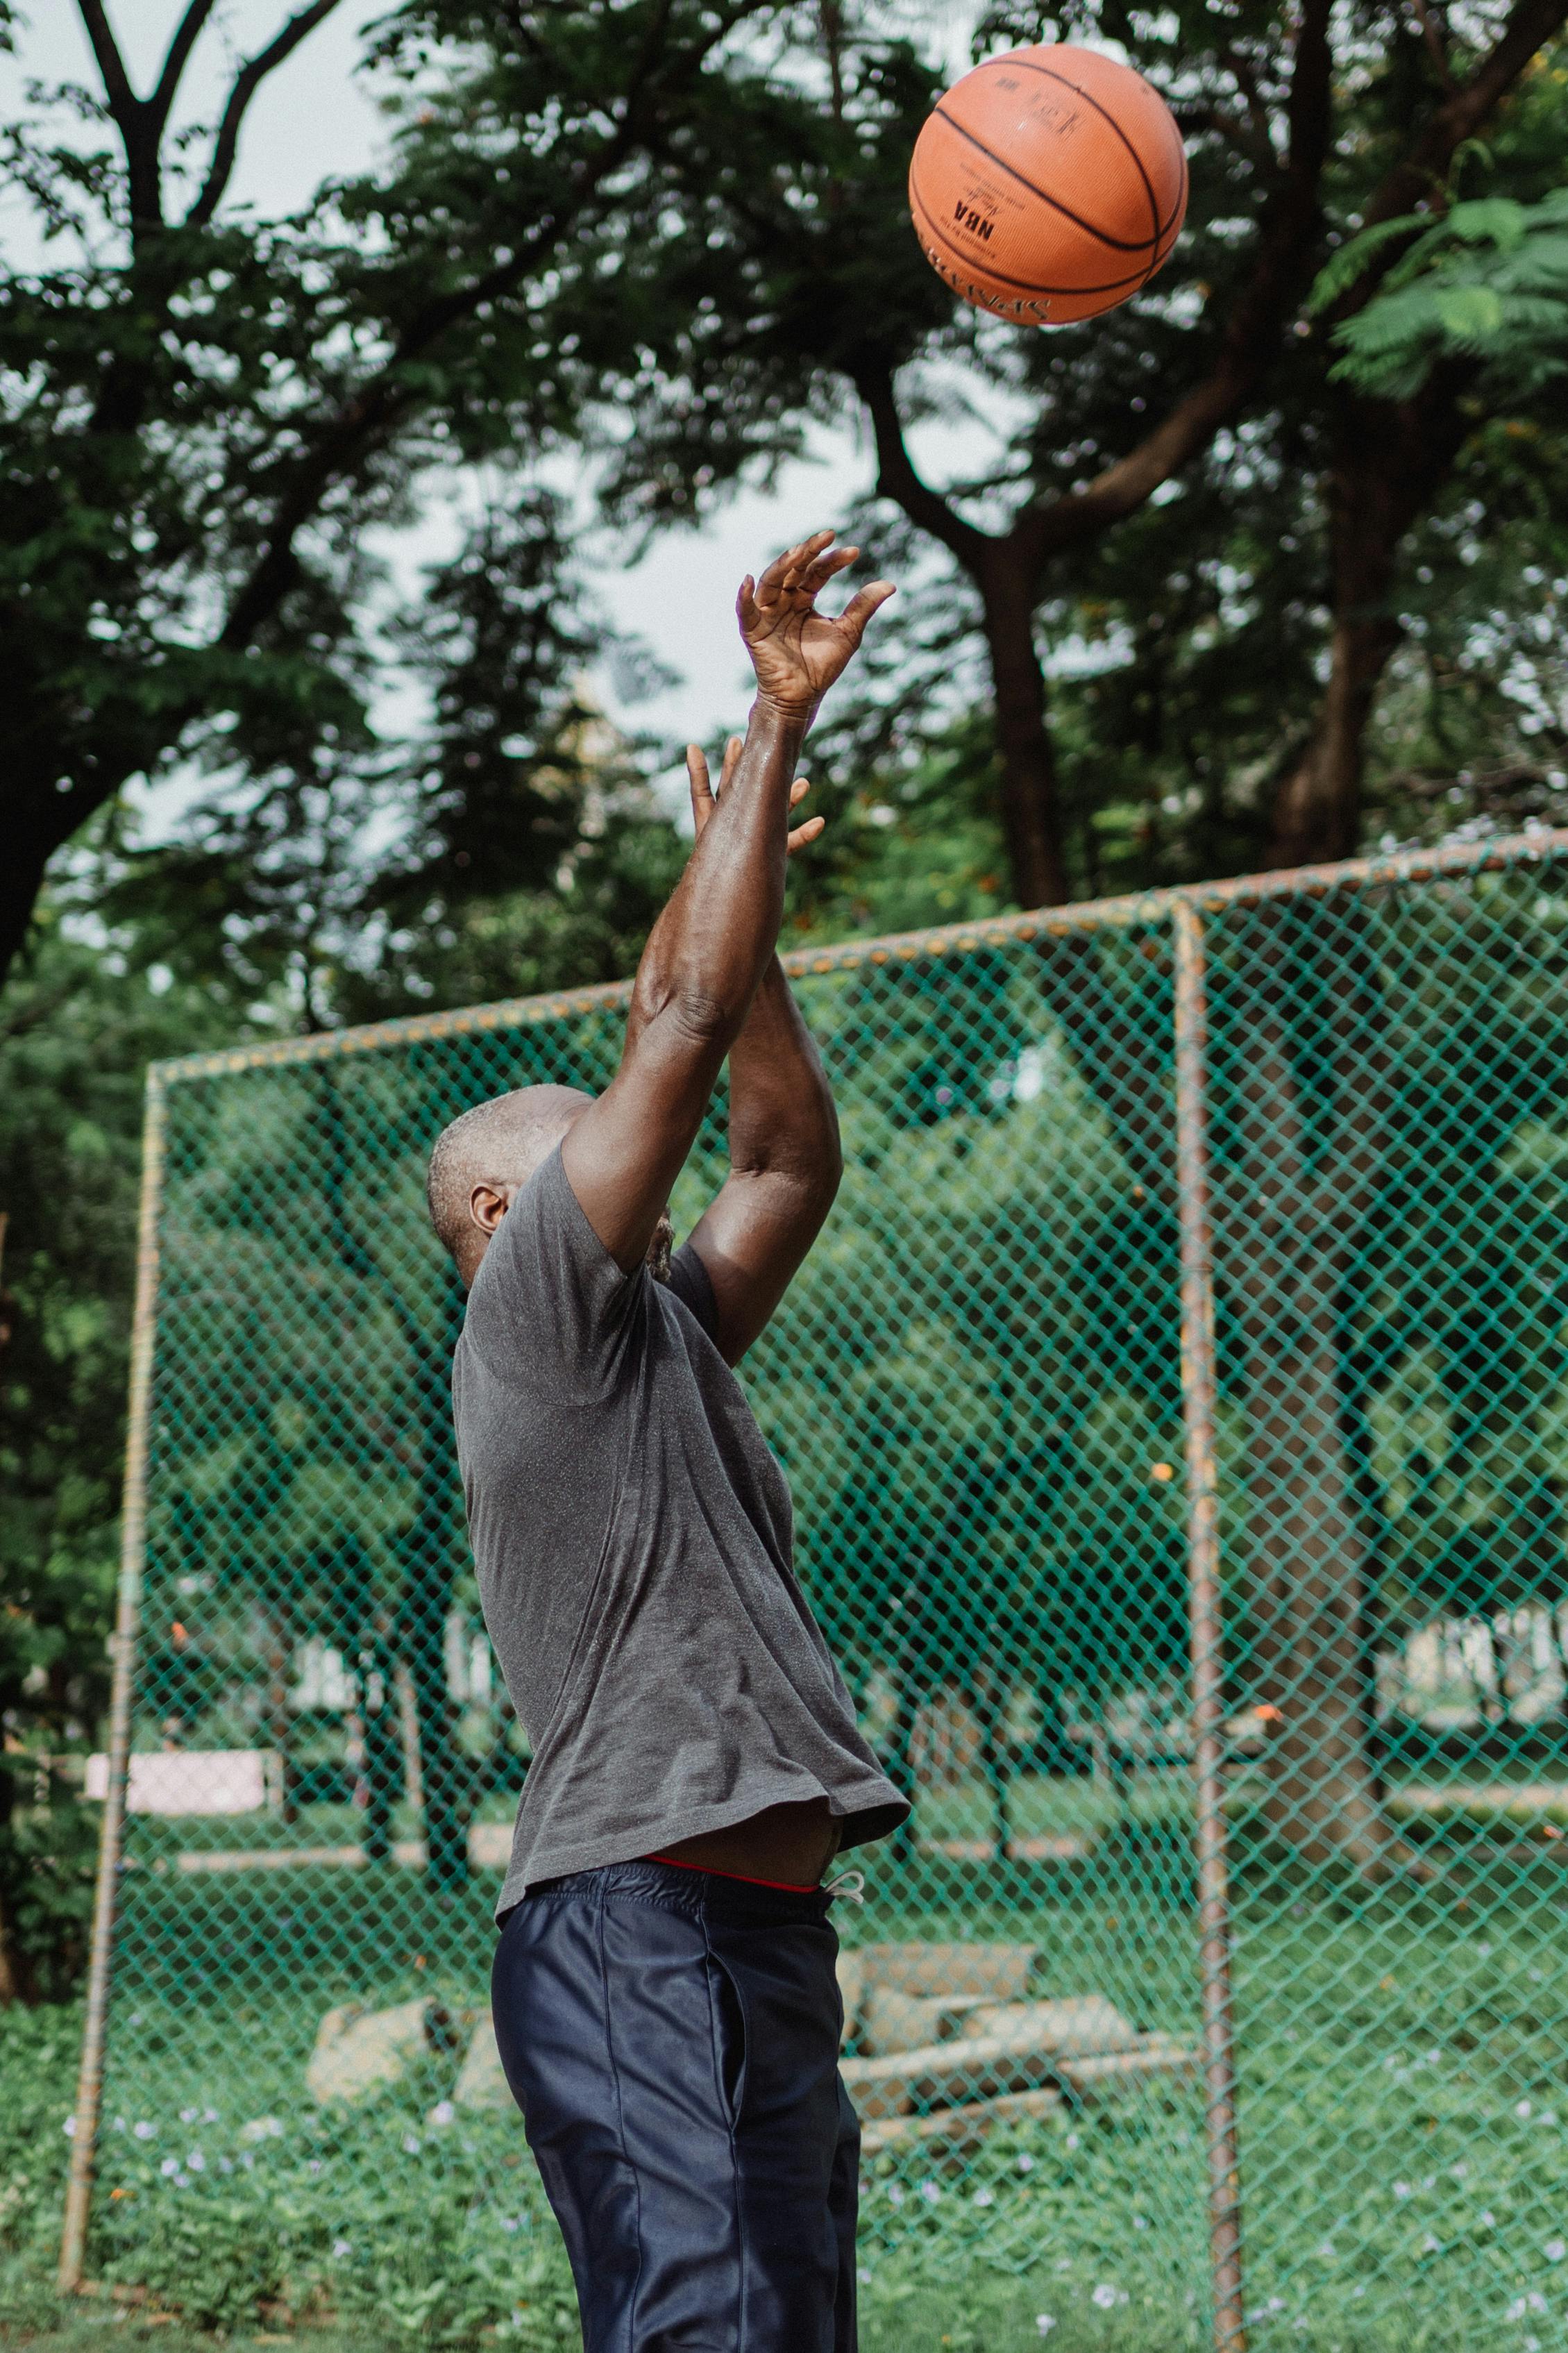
(1048, 185)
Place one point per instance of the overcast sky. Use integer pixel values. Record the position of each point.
(315, 118)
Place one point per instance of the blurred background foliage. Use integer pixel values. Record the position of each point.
(1245, 572)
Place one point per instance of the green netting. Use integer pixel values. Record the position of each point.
(976, 1388)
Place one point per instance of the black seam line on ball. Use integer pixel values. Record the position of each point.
(1180, 207)
(1119, 244)
(1049, 73)
(1025, 285)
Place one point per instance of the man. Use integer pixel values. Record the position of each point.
(664, 1991)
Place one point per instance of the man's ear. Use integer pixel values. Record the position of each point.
(488, 1204)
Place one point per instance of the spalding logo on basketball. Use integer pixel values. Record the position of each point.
(1050, 185)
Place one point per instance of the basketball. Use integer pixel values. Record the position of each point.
(1048, 185)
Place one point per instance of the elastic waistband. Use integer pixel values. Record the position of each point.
(740, 1878)
(681, 1888)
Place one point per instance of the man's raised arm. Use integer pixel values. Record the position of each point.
(711, 946)
(785, 1161)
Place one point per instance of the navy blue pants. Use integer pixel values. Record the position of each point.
(672, 2039)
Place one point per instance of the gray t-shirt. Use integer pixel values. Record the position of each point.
(633, 1536)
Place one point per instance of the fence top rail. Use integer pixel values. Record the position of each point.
(1397, 866)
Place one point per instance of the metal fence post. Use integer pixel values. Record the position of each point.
(132, 1546)
(1204, 1622)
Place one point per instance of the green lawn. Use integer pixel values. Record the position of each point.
(1405, 2114)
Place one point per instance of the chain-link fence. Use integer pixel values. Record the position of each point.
(1176, 1410)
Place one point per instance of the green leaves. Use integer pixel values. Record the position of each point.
(1487, 283)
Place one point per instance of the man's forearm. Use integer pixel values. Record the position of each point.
(711, 945)
(782, 1118)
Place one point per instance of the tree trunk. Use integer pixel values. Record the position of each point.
(1313, 1659)
(1031, 812)
(1304, 1137)
(1390, 459)
(1317, 814)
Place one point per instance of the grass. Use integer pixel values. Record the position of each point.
(1404, 2114)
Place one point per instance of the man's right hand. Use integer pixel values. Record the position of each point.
(797, 652)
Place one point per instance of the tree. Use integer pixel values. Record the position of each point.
(74, 1038)
(790, 286)
(1192, 430)
(205, 414)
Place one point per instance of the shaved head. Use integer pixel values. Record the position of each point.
(496, 1146)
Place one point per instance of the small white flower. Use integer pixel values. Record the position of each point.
(120, 2124)
(410, 2145)
(1139, 2221)
(341, 2247)
(1403, 2190)
(188, 2115)
(986, 2198)
(313, 2165)
(1105, 2296)
(1025, 2164)
(1430, 2246)
(442, 2113)
(197, 2162)
(1488, 2220)
(1326, 2252)
(1517, 2309)
(863, 2275)
(1535, 2300)
(1533, 2345)
(69, 2128)
(1554, 2249)
(930, 2193)
(1073, 2141)
(895, 2193)
(1523, 2111)
(262, 2129)
(209, 2115)
(169, 2167)
(226, 2165)
(1045, 2322)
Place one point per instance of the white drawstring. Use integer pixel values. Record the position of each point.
(850, 1885)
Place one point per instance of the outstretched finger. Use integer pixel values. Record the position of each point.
(821, 569)
(701, 789)
(731, 753)
(801, 834)
(862, 606)
(794, 559)
(798, 791)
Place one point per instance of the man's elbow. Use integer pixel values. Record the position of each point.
(810, 1184)
(691, 1019)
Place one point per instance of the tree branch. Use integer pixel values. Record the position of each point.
(1529, 28)
(225, 145)
(138, 135)
(896, 478)
(1289, 226)
(1287, 230)
(123, 102)
(363, 422)
(180, 47)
